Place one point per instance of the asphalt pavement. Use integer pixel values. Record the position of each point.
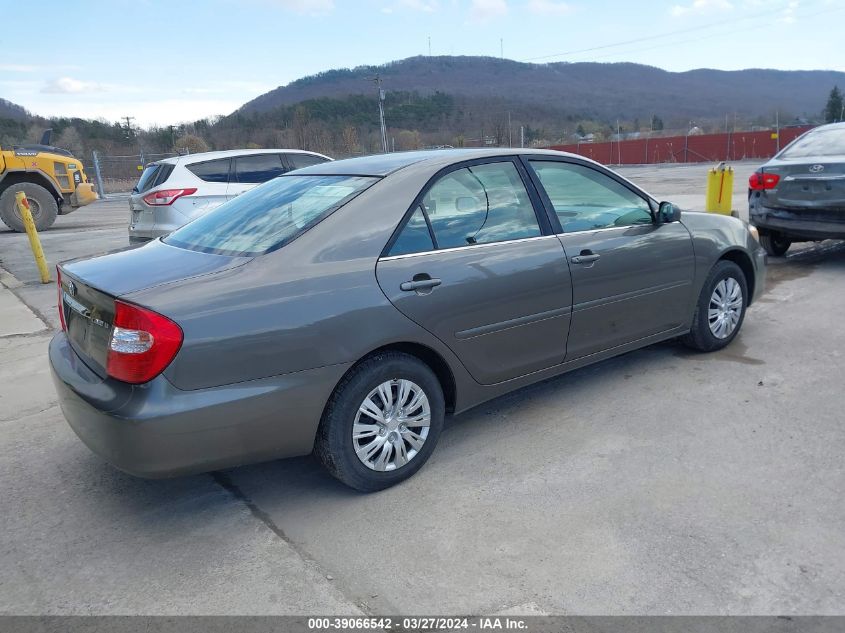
(660, 482)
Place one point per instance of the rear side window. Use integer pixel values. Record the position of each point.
(152, 176)
(298, 161)
(821, 142)
(258, 168)
(211, 170)
(479, 205)
(268, 217)
(414, 238)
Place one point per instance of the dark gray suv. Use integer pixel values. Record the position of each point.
(345, 308)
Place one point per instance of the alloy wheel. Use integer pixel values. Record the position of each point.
(725, 308)
(391, 425)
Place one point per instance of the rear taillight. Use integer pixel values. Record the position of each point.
(165, 197)
(761, 180)
(61, 301)
(142, 343)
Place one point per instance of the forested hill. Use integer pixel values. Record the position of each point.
(601, 91)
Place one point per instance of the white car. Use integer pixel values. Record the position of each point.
(174, 191)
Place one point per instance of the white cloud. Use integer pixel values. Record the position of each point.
(424, 6)
(306, 7)
(146, 113)
(69, 85)
(484, 10)
(549, 7)
(787, 16)
(701, 6)
(30, 68)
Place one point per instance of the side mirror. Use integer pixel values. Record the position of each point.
(668, 212)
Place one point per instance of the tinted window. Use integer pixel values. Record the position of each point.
(152, 176)
(823, 142)
(268, 217)
(212, 170)
(414, 238)
(479, 205)
(258, 167)
(585, 199)
(298, 161)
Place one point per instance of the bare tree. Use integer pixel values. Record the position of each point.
(190, 143)
(350, 140)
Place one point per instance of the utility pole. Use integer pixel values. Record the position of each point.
(502, 47)
(777, 131)
(510, 136)
(129, 130)
(522, 136)
(429, 45)
(377, 81)
(618, 144)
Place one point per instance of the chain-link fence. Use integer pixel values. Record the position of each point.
(118, 174)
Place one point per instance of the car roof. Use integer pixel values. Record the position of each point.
(190, 159)
(384, 164)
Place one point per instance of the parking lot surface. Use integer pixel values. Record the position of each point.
(660, 482)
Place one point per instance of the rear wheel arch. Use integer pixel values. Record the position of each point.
(743, 260)
(427, 355)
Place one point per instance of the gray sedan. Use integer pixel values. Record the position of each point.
(346, 308)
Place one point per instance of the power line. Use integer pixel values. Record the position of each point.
(756, 16)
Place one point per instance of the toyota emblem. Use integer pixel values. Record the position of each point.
(816, 168)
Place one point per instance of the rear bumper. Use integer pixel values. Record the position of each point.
(156, 430)
(805, 224)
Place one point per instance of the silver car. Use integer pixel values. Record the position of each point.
(174, 191)
(345, 308)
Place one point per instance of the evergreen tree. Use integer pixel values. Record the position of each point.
(833, 109)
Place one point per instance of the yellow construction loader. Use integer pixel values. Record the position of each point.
(52, 179)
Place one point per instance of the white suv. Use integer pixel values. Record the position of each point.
(174, 191)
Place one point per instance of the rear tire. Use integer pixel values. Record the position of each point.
(42, 204)
(368, 454)
(720, 309)
(775, 244)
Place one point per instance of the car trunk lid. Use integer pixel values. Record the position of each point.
(809, 184)
(89, 289)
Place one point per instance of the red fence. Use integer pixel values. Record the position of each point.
(686, 149)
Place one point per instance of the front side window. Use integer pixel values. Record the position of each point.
(479, 205)
(585, 199)
(269, 216)
(211, 170)
(258, 168)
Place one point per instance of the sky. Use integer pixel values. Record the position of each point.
(169, 61)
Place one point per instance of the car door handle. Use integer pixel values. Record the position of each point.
(586, 257)
(419, 284)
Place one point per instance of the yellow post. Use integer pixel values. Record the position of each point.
(34, 242)
(720, 187)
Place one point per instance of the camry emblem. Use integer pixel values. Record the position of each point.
(71, 288)
(816, 168)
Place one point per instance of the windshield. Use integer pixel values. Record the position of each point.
(821, 142)
(269, 216)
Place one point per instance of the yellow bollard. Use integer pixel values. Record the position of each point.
(34, 242)
(720, 187)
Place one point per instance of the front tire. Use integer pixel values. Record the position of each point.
(42, 205)
(382, 422)
(775, 244)
(720, 309)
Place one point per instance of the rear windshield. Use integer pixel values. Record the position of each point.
(823, 142)
(269, 216)
(153, 175)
